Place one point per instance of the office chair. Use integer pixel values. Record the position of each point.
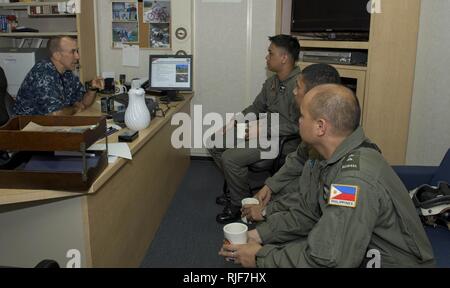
(6, 110)
(268, 166)
(6, 100)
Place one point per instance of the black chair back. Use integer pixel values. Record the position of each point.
(6, 101)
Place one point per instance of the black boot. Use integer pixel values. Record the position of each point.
(229, 214)
(225, 198)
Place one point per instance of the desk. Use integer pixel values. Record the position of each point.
(113, 224)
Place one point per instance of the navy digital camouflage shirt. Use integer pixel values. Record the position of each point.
(45, 90)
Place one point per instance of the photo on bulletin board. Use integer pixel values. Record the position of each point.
(125, 32)
(159, 35)
(156, 11)
(125, 11)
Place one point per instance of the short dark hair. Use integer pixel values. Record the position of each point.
(54, 45)
(317, 74)
(288, 43)
(339, 105)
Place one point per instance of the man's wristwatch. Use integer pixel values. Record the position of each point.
(89, 87)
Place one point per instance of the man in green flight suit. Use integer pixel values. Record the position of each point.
(282, 185)
(351, 205)
(275, 97)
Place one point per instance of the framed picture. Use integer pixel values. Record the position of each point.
(125, 11)
(125, 32)
(156, 11)
(159, 35)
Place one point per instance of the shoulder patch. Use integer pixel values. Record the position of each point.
(351, 162)
(343, 195)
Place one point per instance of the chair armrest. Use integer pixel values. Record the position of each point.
(279, 161)
(413, 176)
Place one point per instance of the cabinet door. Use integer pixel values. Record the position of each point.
(390, 77)
(86, 41)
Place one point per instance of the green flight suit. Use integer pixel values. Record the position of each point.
(284, 184)
(275, 97)
(316, 233)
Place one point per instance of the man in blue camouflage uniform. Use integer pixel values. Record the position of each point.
(351, 205)
(51, 88)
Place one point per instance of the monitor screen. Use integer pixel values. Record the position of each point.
(330, 16)
(170, 73)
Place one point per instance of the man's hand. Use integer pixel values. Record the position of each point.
(98, 83)
(253, 212)
(264, 195)
(242, 254)
(78, 106)
(227, 127)
(253, 236)
(252, 130)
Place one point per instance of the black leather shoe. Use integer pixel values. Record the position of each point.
(223, 199)
(229, 214)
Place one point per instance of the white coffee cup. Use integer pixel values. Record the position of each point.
(248, 201)
(235, 233)
(241, 130)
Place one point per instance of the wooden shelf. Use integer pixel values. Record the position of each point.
(37, 34)
(24, 5)
(338, 66)
(334, 44)
(125, 21)
(51, 15)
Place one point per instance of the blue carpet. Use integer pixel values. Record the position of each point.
(189, 236)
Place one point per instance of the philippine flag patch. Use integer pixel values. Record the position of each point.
(343, 195)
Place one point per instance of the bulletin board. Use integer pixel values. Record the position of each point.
(146, 23)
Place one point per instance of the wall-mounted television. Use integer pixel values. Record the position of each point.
(330, 16)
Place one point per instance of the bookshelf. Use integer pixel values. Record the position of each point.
(42, 16)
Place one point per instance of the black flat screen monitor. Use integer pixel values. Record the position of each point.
(170, 74)
(309, 16)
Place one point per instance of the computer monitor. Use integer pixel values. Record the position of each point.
(170, 74)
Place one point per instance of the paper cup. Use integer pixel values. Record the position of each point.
(236, 233)
(248, 201)
(240, 133)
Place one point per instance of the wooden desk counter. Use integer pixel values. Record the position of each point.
(113, 224)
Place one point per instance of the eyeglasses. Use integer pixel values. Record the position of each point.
(73, 51)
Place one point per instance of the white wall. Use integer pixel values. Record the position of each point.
(429, 134)
(231, 41)
(110, 60)
(286, 21)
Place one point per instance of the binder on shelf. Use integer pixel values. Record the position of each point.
(36, 43)
(34, 164)
(44, 43)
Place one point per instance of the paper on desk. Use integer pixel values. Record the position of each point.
(112, 159)
(130, 55)
(33, 127)
(114, 149)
